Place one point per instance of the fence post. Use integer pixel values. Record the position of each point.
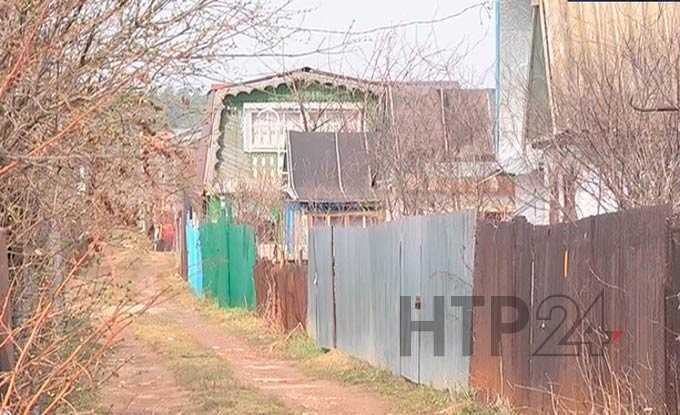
(6, 352)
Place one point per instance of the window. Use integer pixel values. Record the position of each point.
(267, 129)
(265, 125)
(264, 128)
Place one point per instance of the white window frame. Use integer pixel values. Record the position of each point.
(251, 109)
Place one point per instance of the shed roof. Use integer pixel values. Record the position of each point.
(329, 167)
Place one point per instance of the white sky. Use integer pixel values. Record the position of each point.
(470, 35)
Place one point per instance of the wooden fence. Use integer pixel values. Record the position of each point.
(281, 293)
(594, 292)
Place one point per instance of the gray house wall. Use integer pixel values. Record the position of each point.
(514, 20)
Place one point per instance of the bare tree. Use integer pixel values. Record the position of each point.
(81, 153)
(434, 148)
(606, 120)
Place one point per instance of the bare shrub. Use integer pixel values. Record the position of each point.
(81, 151)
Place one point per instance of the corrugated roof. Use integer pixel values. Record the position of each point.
(329, 167)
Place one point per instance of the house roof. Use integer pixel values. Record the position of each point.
(306, 74)
(329, 167)
(433, 111)
(309, 74)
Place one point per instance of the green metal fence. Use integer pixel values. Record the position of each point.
(228, 254)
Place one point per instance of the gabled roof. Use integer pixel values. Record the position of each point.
(305, 74)
(329, 167)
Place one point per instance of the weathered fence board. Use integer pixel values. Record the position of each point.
(282, 293)
(595, 294)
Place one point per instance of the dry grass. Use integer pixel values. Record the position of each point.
(211, 383)
(403, 396)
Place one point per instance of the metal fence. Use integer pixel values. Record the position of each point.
(181, 243)
(193, 253)
(358, 276)
(7, 348)
(594, 291)
(227, 258)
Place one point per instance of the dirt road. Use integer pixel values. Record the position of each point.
(175, 360)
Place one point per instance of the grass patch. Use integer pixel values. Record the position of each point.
(209, 380)
(403, 396)
(406, 397)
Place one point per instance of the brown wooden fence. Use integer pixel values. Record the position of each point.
(600, 296)
(281, 293)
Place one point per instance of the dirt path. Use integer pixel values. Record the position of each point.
(141, 380)
(155, 380)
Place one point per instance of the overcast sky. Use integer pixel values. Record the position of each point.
(467, 38)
